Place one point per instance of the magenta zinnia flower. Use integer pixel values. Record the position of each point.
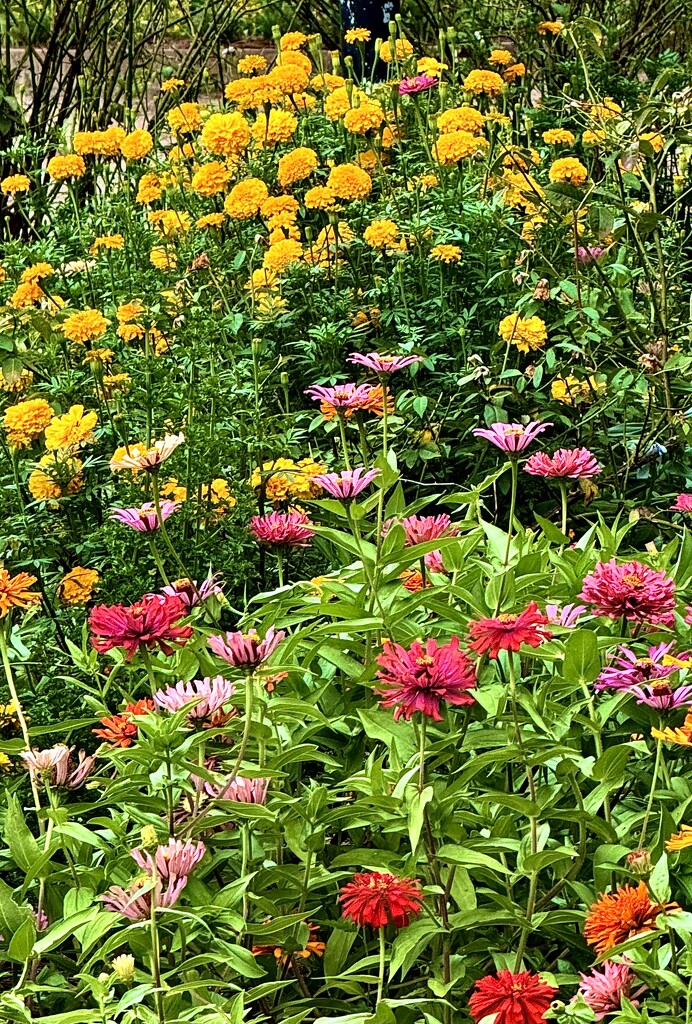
(422, 677)
(348, 484)
(145, 519)
(572, 463)
(418, 83)
(202, 697)
(683, 503)
(632, 590)
(147, 624)
(511, 437)
(246, 650)
(662, 696)
(629, 670)
(383, 364)
(602, 991)
(342, 396)
(172, 861)
(282, 529)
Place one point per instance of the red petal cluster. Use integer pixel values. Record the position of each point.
(379, 899)
(509, 632)
(420, 678)
(514, 998)
(145, 624)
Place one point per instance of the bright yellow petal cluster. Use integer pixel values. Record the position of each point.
(73, 428)
(87, 325)
(455, 146)
(56, 476)
(26, 421)
(483, 83)
(526, 333)
(69, 166)
(77, 586)
(568, 170)
(245, 199)
(15, 183)
(348, 181)
(558, 137)
(226, 134)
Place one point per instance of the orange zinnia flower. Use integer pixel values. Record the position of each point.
(15, 592)
(681, 735)
(681, 840)
(121, 730)
(616, 916)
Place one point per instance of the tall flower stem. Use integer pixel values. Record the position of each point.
(151, 676)
(249, 703)
(344, 442)
(156, 951)
(514, 467)
(380, 973)
(563, 502)
(21, 718)
(650, 802)
(157, 559)
(421, 755)
(280, 565)
(166, 538)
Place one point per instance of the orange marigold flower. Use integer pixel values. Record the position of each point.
(77, 586)
(481, 82)
(137, 144)
(15, 592)
(296, 165)
(568, 170)
(37, 271)
(365, 118)
(681, 840)
(69, 166)
(226, 134)
(25, 421)
(460, 119)
(185, 119)
(281, 254)
(245, 199)
(616, 916)
(348, 181)
(150, 188)
(87, 325)
(320, 198)
(401, 49)
(15, 183)
(502, 57)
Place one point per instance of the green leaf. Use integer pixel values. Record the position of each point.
(18, 836)
(22, 941)
(12, 916)
(471, 859)
(416, 815)
(243, 962)
(659, 882)
(582, 661)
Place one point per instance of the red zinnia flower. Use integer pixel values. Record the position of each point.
(634, 590)
(514, 998)
(144, 624)
(380, 899)
(120, 730)
(420, 678)
(509, 632)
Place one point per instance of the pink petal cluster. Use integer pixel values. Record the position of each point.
(202, 697)
(603, 990)
(419, 529)
(191, 592)
(633, 590)
(341, 396)
(383, 364)
(567, 616)
(246, 650)
(572, 463)
(422, 677)
(134, 903)
(173, 860)
(54, 766)
(145, 518)
(628, 669)
(282, 529)
(511, 437)
(144, 625)
(151, 458)
(243, 791)
(348, 484)
(683, 503)
(589, 253)
(416, 84)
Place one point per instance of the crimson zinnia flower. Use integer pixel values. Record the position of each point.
(509, 632)
(146, 624)
(380, 899)
(514, 998)
(420, 678)
(632, 590)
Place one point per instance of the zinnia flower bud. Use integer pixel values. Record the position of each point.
(148, 836)
(124, 967)
(639, 862)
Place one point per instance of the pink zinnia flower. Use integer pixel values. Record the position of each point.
(511, 437)
(243, 791)
(246, 650)
(148, 459)
(632, 590)
(134, 903)
(172, 861)
(662, 696)
(54, 766)
(508, 632)
(145, 518)
(348, 484)
(422, 677)
(602, 991)
(573, 463)
(683, 503)
(418, 83)
(567, 616)
(282, 529)
(629, 670)
(419, 529)
(342, 396)
(147, 624)
(191, 592)
(383, 364)
(589, 253)
(202, 697)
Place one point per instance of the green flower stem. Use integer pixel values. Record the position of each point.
(344, 442)
(380, 973)
(421, 755)
(165, 535)
(650, 802)
(151, 675)
(156, 952)
(157, 558)
(20, 714)
(514, 467)
(280, 565)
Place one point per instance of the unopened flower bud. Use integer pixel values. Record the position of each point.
(639, 862)
(284, 378)
(124, 968)
(678, 184)
(148, 836)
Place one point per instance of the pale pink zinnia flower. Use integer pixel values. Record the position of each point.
(173, 860)
(246, 650)
(134, 903)
(633, 590)
(419, 83)
(383, 364)
(342, 396)
(662, 696)
(55, 767)
(282, 529)
(145, 519)
(511, 437)
(348, 484)
(567, 616)
(422, 677)
(244, 791)
(202, 697)
(603, 990)
(419, 529)
(148, 459)
(191, 592)
(683, 503)
(572, 463)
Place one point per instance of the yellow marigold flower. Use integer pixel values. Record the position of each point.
(161, 258)
(348, 181)
(172, 490)
(446, 253)
(357, 35)
(73, 428)
(284, 479)
(37, 271)
(240, 91)
(218, 493)
(339, 102)
(430, 66)
(282, 254)
(455, 146)
(99, 143)
(516, 159)
(487, 83)
(171, 84)
(558, 137)
(150, 189)
(278, 234)
(115, 382)
(3, 274)
(367, 117)
(495, 117)
(280, 211)
(607, 110)
(226, 134)
(460, 119)
(501, 57)
(531, 226)
(99, 355)
(55, 477)
(288, 79)
(26, 294)
(296, 166)
(514, 71)
(380, 234)
(401, 50)
(77, 586)
(254, 62)
(553, 28)
(70, 166)
(131, 332)
(137, 144)
(296, 60)
(210, 179)
(571, 391)
(15, 183)
(292, 40)
(327, 82)
(107, 242)
(26, 421)
(14, 382)
(655, 140)
(210, 220)
(568, 169)
(245, 199)
(87, 325)
(328, 235)
(526, 333)
(320, 198)
(279, 128)
(424, 182)
(176, 154)
(520, 190)
(185, 119)
(15, 592)
(129, 311)
(593, 138)
(170, 223)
